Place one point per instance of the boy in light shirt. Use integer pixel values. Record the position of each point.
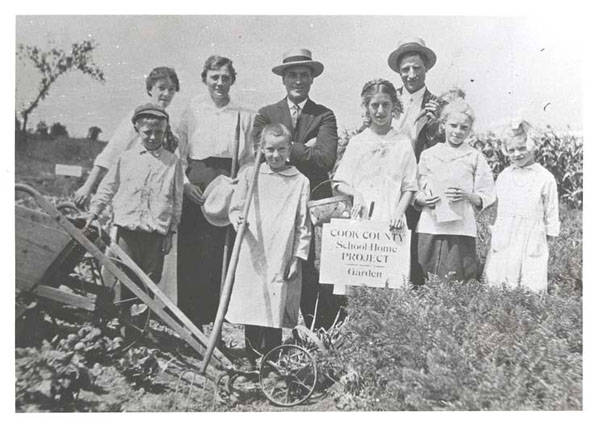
(146, 189)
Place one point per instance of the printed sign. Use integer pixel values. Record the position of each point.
(364, 253)
(68, 170)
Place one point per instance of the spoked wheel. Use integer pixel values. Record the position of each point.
(288, 375)
(243, 383)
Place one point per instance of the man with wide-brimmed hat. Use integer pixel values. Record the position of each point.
(412, 59)
(314, 152)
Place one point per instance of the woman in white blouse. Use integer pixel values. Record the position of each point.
(207, 133)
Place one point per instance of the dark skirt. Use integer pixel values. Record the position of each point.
(328, 303)
(448, 256)
(200, 249)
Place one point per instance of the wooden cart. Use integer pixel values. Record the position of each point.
(49, 246)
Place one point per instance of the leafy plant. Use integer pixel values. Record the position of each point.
(462, 347)
(49, 376)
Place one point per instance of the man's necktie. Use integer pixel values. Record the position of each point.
(295, 114)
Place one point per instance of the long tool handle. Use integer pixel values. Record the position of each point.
(228, 285)
(233, 174)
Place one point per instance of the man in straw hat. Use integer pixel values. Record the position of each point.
(313, 152)
(412, 59)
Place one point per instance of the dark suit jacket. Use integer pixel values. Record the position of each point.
(315, 121)
(427, 137)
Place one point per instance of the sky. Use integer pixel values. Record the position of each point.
(508, 66)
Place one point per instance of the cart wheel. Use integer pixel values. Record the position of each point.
(242, 383)
(288, 375)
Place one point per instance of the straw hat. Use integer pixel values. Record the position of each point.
(414, 44)
(217, 198)
(299, 57)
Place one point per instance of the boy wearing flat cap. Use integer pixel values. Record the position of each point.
(145, 186)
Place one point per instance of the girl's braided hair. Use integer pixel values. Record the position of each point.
(373, 87)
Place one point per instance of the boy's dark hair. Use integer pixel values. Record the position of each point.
(214, 62)
(161, 73)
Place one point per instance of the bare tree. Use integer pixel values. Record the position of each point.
(54, 63)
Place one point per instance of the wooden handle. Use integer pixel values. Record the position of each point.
(233, 174)
(228, 284)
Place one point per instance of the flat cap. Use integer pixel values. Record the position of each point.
(149, 110)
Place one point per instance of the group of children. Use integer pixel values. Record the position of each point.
(451, 183)
(455, 181)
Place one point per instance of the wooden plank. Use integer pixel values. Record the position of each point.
(65, 297)
(38, 241)
(193, 331)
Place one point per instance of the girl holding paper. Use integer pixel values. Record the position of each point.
(454, 181)
(379, 169)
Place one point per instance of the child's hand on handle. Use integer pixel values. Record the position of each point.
(81, 197)
(292, 269)
(456, 194)
(194, 193)
(90, 218)
(240, 220)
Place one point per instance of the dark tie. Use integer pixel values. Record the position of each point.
(295, 114)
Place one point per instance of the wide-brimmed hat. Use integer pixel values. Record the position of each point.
(217, 198)
(149, 110)
(415, 44)
(299, 57)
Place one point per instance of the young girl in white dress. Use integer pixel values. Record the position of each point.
(378, 169)
(527, 216)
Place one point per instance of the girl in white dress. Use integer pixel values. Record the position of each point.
(527, 217)
(379, 169)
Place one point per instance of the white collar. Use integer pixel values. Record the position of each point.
(415, 96)
(532, 166)
(291, 171)
(301, 105)
(142, 149)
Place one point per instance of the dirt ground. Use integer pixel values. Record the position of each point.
(174, 384)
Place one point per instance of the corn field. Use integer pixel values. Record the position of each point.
(561, 155)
